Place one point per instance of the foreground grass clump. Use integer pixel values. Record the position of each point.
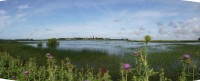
(11, 68)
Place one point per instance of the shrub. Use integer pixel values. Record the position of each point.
(52, 42)
(39, 44)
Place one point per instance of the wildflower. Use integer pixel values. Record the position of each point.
(26, 72)
(135, 53)
(48, 55)
(102, 71)
(186, 59)
(126, 66)
(14, 77)
(186, 56)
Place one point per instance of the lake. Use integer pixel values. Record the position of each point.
(111, 47)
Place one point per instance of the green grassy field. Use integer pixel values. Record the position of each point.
(170, 61)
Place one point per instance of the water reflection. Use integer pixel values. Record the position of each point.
(111, 47)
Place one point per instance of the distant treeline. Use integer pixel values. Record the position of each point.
(20, 39)
(77, 38)
(97, 38)
(25, 39)
(166, 41)
(93, 38)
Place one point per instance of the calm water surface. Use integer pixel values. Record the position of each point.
(111, 47)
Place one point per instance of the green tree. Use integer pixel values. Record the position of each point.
(52, 42)
(147, 38)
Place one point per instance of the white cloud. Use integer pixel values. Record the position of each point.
(198, 1)
(174, 24)
(146, 18)
(2, 0)
(20, 15)
(189, 29)
(7, 19)
(2, 12)
(123, 29)
(179, 30)
(117, 20)
(150, 14)
(21, 7)
(196, 30)
(47, 29)
(163, 30)
(182, 31)
(140, 31)
(139, 23)
(4, 18)
(120, 33)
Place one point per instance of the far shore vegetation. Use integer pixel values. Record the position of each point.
(99, 38)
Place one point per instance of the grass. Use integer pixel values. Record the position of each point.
(171, 60)
(81, 59)
(168, 60)
(10, 68)
(25, 52)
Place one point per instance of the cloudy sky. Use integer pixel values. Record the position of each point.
(132, 19)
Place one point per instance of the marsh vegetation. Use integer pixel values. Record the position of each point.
(168, 62)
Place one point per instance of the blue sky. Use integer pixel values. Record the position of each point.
(132, 19)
